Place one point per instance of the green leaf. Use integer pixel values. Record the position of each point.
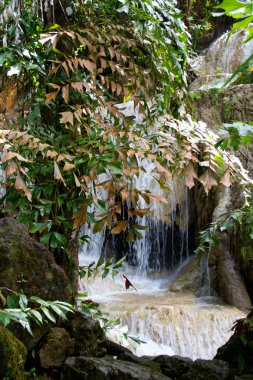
(48, 314)
(99, 225)
(60, 238)
(119, 263)
(101, 260)
(116, 167)
(39, 227)
(45, 239)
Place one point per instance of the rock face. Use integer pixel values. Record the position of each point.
(233, 103)
(26, 264)
(108, 369)
(12, 356)
(238, 353)
(226, 277)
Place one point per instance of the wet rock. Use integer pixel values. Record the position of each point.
(208, 370)
(174, 366)
(238, 353)
(83, 368)
(87, 335)
(189, 278)
(26, 264)
(56, 347)
(12, 356)
(114, 349)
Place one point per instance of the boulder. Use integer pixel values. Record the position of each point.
(107, 368)
(12, 356)
(56, 347)
(26, 264)
(87, 335)
(174, 366)
(238, 353)
(208, 370)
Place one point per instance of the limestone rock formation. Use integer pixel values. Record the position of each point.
(26, 264)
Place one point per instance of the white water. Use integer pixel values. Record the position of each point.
(169, 323)
(221, 60)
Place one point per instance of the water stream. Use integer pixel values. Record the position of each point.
(170, 323)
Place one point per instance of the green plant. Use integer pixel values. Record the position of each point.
(18, 308)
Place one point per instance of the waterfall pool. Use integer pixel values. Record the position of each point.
(169, 323)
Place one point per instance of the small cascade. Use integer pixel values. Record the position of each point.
(169, 323)
(187, 328)
(221, 60)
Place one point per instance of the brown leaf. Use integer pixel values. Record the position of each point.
(67, 117)
(190, 174)
(68, 166)
(51, 96)
(65, 93)
(78, 86)
(57, 173)
(119, 227)
(65, 66)
(226, 180)
(208, 181)
(11, 155)
(127, 282)
(51, 153)
(77, 182)
(80, 217)
(20, 184)
(142, 212)
(12, 167)
(122, 154)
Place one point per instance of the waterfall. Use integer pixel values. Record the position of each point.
(221, 60)
(165, 242)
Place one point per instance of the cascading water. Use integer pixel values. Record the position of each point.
(169, 323)
(221, 60)
(165, 242)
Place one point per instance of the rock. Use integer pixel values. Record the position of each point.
(238, 353)
(189, 278)
(26, 264)
(12, 356)
(56, 347)
(83, 368)
(114, 349)
(87, 335)
(208, 370)
(173, 366)
(225, 276)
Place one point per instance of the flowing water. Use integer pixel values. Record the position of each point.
(169, 323)
(221, 60)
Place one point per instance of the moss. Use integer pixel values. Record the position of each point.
(12, 356)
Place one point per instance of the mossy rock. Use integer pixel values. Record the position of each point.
(12, 356)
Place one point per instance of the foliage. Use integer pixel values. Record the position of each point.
(102, 268)
(17, 307)
(74, 156)
(234, 135)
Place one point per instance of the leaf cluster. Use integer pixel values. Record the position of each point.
(19, 308)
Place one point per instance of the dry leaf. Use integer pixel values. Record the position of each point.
(119, 227)
(226, 179)
(68, 166)
(208, 181)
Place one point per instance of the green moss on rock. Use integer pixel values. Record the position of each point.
(12, 356)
